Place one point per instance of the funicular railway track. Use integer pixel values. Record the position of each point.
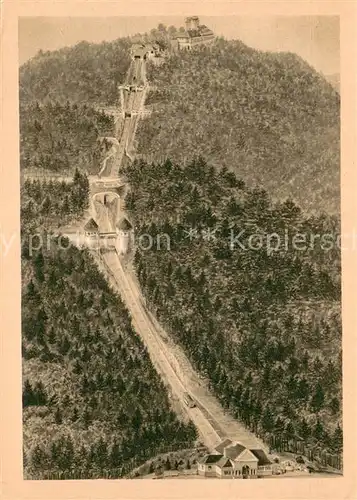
(209, 417)
(158, 354)
(133, 102)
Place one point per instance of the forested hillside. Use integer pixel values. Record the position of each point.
(87, 73)
(59, 138)
(94, 406)
(46, 205)
(60, 94)
(263, 326)
(269, 117)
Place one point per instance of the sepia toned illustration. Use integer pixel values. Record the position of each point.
(180, 247)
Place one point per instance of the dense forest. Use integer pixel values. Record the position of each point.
(60, 138)
(85, 73)
(269, 117)
(63, 98)
(263, 326)
(50, 204)
(94, 406)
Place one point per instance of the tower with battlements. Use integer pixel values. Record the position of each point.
(192, 23)
(194, 35)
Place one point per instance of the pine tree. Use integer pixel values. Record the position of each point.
(77, 178)
(318, 398)
(54, 454)
(302, 390)
(51, 336)
(279, 426)
(103, 301)
(267, 420)
(317, 366)
(67, 453)
(304, 429)
(75, 415)
(39, 458)
(337, 439)
(305, 361)
(115, 456)
(39, 267)
(24, 459)
(66, 205)
(41, 396)
(64, 346)
(101, 454)
(318, 431)
(27, 394)
(58, 417)
(334, 406)
(81, 458)
(40, 327)
(32, 294)
(289, 430)
(191, 431)
(46, 206)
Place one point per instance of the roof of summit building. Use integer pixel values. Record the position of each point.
(181, 34)
(204, 29)
(201, 31)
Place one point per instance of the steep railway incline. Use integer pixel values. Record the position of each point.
(158, 354)
(213, 423)
(134, 91)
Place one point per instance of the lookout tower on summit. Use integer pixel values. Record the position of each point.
(192, 23)
(195, 34)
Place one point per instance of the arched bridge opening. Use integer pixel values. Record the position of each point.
(106, 208)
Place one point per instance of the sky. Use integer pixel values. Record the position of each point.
(314, 38)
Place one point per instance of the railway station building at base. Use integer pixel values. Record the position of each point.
(233, 460)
